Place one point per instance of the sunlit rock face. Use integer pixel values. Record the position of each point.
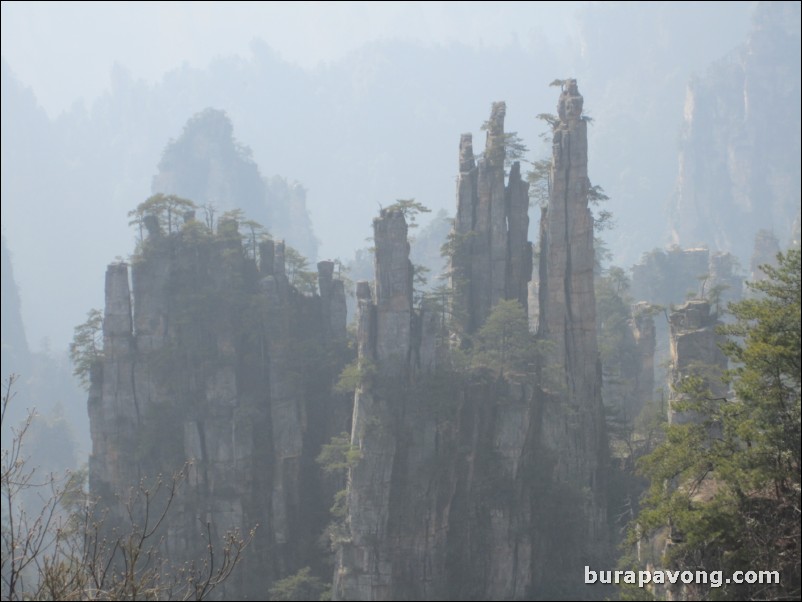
(573, 425)
(471, 485)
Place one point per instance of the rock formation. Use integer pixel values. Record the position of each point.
(223, 364)
(573, 416)
(764, 252)
(695, 352)
(644, 332)
(469, 485)
(492, 258)
(389, 345)
(669, 277)
(739, 159)
(466, 481)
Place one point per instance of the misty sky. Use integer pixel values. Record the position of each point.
(66, 53)
(65, 50)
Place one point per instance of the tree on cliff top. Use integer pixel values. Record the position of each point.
(504, 343)
(735, 499)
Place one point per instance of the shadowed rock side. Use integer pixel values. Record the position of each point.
(573, 416)
(224, 364)
(470, 484)
(491, 258)
(436, 509)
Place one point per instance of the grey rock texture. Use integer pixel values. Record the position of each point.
(695, 352)
(492, 258)
(573, 416)
(221, 368)
(469, 485)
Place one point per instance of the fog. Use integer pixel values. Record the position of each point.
(312, 118)
(354, 105)
(360, 103)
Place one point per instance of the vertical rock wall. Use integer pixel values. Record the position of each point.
(695, 352)
(226, 366)
(469, 485)
(388, 359)
(573, 416)
(492, 259)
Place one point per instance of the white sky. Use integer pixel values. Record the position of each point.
(65, 50)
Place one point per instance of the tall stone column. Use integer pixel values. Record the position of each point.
(573, 416)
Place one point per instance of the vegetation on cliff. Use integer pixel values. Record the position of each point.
(728, 486)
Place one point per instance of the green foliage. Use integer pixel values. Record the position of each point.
(298, 272)
(339, 454)
(301, 586)
(729, 485)
(165, 207)
(616, 346)
(336, 458)
(504, 343)
(354, 374)
(411, 209)
(602, 219)
(86, 347)
(549, 118)
(540, 182)
(514, 148)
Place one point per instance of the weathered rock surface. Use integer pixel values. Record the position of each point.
(226, 366)
(472, 486)
(492, 259)
(668, 277)
(695, 352)
(469, 483)
(573, 415)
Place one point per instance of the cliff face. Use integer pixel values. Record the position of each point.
(492, 259)
(669, 277)
(471, 479)
(223, 364)
(695, 351)
(470, 484)
(573, 416)
(739, 159)
(437, 503)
